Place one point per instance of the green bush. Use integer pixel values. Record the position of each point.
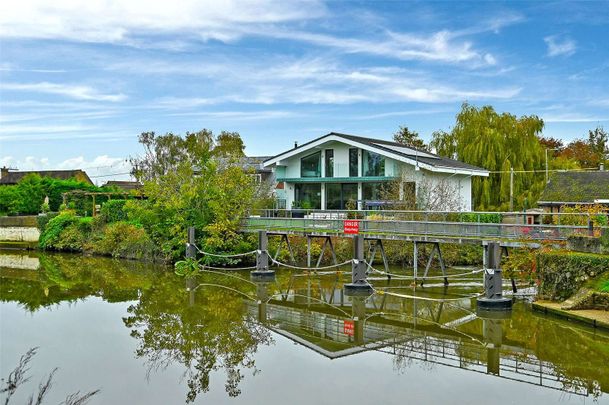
(562, 273)
(125, 240)
(485, 218)
(43, 220)
(65, 232)
(112, 211)
(51, 234)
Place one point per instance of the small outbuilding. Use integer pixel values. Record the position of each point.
(575, 188)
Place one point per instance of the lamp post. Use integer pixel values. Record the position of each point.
(547, 177)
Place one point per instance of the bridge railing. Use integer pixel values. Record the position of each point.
(518, 217)
(393, 227)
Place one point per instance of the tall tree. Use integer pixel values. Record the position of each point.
(410, 138)
(598, 139)
(581, 152)
(498, 143)
(229, 144)
(192, 180)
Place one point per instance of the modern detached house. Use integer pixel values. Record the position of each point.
(329, 171)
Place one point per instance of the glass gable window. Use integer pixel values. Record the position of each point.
(353, 169)
(310, 166)
(329, 162)
(308, 196)
(373, 164)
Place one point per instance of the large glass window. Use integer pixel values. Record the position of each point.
(373, 164)
(372, 191)
(308, 195)
(310, 166)
(329, 162)
(338, 195)
(353, 169)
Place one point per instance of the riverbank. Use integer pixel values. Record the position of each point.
(592, 317)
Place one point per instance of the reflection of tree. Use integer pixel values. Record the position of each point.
(68, 278)
(213, 334)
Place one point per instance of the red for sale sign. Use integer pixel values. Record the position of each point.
(351, 226)
(348, 327)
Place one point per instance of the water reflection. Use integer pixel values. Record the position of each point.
(216, 323)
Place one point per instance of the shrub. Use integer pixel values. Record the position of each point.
(485, 218)
(43, 220)
(112, 211)
(65, 232)
(122, 239)
(53, 228)
(562, 273)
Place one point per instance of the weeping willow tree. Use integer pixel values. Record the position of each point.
(498, 143)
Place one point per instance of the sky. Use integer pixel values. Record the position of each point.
(79, 81)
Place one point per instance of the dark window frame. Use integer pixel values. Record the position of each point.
(353, 164)
(329, 162)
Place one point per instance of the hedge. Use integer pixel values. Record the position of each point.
(562, 273)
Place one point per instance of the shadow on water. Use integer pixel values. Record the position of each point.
(217, 322)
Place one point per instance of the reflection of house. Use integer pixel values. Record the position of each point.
(8, 177)
(331, 170)
(575, 188)
(124, 185)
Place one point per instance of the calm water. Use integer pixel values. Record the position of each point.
(139, 334)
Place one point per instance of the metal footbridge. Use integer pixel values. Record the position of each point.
(510, 228)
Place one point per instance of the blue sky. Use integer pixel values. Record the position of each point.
(80, 80)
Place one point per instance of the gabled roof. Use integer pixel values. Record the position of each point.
(14, 177)
(125, 185)
(255, 163)
(576, 187)
(424, 159)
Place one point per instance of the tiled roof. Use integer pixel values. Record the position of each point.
(402, 150)
(14, 177)
(125, 185)
(574, 187)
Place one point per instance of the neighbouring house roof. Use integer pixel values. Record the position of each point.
(256, 163)
(7, 177)
(576, 187)
(125, 185)
(423, 159)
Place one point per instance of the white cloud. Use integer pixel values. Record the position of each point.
(17, 130)
(77, 92)
(238, 115)
(323, 81)
(148, 24)
(122, 21)
(439, 47)
(558, 46)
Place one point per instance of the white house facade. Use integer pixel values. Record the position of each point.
(331, 170)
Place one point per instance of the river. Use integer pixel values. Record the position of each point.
(144, 335)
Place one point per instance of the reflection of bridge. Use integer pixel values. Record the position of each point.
(424, 331)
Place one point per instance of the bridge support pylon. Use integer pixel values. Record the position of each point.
(191, 250)
(493, 299)
(262, 272)
(359, 284)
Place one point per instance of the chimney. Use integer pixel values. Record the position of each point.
(295, 144)
(3, 172)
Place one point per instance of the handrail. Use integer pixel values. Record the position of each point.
(388, 212)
